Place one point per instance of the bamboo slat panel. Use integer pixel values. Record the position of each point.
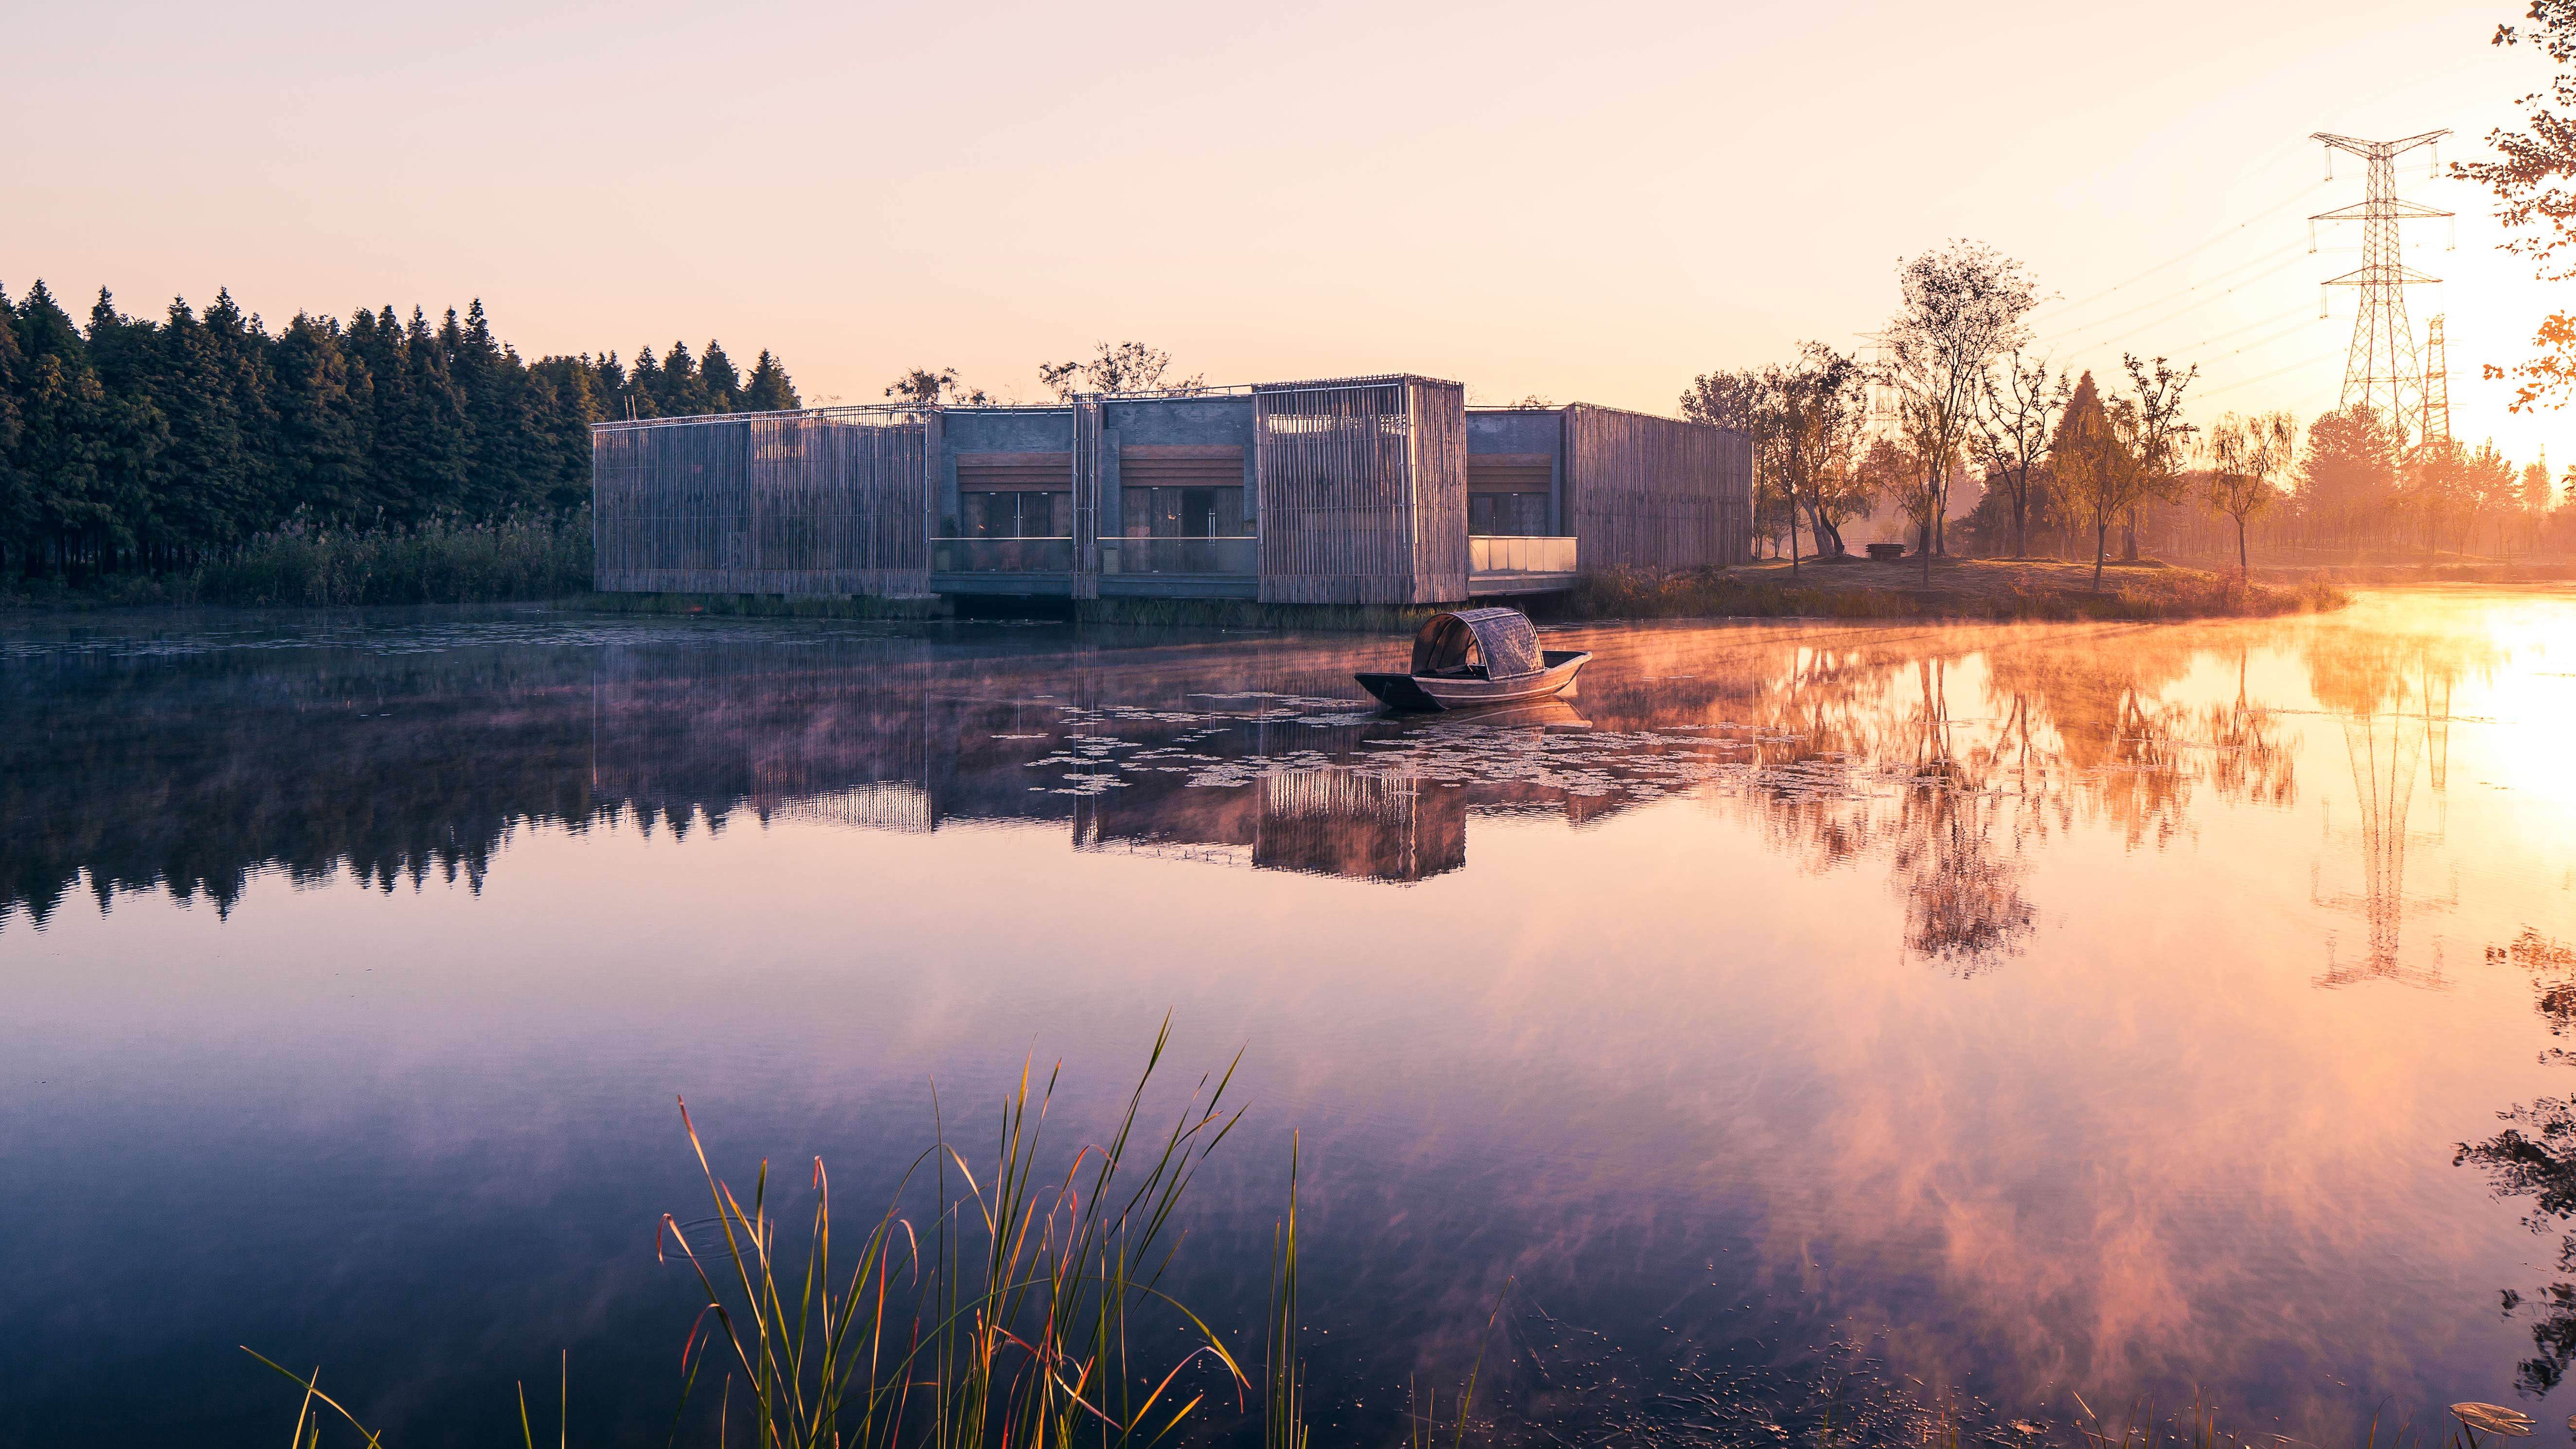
(779, 503)
(1644, 491)
(1439, 414)
(1089, 463)
(1333, 470)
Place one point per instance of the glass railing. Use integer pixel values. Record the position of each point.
(1505, 554)
(1180, 556)
(1001, 555)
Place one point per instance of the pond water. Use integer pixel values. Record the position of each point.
(1805, 1014)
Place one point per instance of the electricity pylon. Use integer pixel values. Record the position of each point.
(2437, 383)
(2382, 369)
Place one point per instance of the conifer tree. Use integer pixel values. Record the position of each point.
(770, 391)
(684, 393)
(643, 391)
(17, 515)
(203, 480)
(716, 374)
(321, 433)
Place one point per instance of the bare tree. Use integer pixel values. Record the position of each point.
(2244, 454)
(2015, 417)
(2163, 439)
(922, 387)
(1963, 306)
(1129, 367)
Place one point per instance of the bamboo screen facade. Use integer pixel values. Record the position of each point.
(1656, 492)
(1362, 491)
(820, 502)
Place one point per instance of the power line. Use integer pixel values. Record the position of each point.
(2290, 259)
(2268, 376)
(2186, 255)
(2281, 266)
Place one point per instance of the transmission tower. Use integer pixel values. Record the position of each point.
(2437, 383)
(2382, 369)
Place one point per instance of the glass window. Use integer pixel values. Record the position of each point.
(1512, 515)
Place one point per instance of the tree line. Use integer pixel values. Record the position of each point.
(2068, 466)
(135, 443)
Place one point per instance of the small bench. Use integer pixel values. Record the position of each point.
(1886, 550)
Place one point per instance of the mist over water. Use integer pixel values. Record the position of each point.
(1804, 1013)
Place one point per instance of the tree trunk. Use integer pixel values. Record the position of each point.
(2021, 521)
(2129, 537)
(2101, 545)
(2244, 574)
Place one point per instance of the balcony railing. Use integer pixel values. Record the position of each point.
(1180, 556)
(1001, 555)
(1508, 554)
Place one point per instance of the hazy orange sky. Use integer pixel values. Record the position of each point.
(1585, 202)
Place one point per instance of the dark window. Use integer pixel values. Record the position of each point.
(1517, 515)
(1018, 514)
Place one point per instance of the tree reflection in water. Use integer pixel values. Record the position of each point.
(1839, 743)
(2534, 1157)
(1964, 905)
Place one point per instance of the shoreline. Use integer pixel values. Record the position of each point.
(1963, 590)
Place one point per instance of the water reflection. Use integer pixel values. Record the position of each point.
(193, 774)
(1800, 999)
(2534, 1158)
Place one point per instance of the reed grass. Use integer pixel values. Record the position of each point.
(1012, 1311)
(441, 561)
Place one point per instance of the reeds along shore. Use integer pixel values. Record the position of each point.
(442, 561)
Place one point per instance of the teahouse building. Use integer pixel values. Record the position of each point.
(1375, 490)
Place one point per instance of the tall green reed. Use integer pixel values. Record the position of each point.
(1020, 1321)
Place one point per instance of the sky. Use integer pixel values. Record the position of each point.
(1580, 202)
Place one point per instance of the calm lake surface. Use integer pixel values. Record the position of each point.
(1805, 1013)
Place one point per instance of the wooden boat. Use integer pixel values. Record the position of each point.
(1471, 658)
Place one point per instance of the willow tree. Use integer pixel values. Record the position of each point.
(1962, 307)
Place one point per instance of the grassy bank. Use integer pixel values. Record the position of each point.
(1954, 589)
(439, 562)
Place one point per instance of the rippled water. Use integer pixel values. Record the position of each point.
(1805, 1014)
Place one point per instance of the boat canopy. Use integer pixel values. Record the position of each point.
(1503, 639)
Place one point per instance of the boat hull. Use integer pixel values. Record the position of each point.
(1424, 693)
